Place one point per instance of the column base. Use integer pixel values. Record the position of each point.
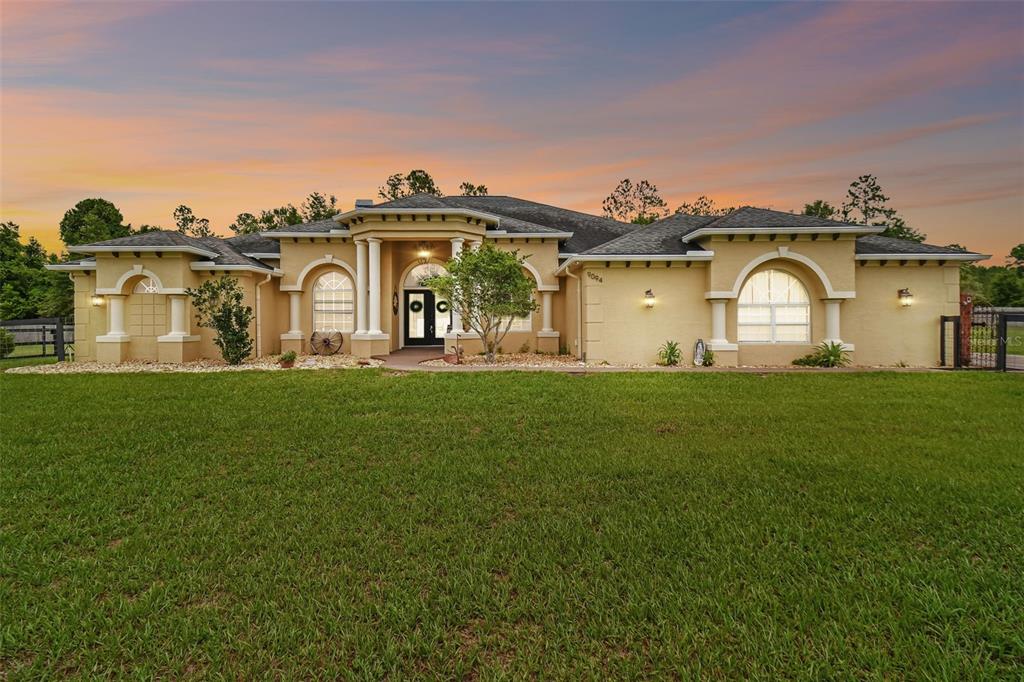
(726, 358)
(112, 350)
(365, 345)
(547, 342)
(722, 345)
(292, 341)
(177, 349)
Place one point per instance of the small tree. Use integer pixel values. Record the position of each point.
(470, 190)
(218, 304)
(820, 209)
(189, 224)
(489, 289)
(703, 205)
(413, 182)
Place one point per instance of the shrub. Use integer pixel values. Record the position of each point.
(218, 304)
(6, 343)
(709, 358)
(828, 354)
(669, 354)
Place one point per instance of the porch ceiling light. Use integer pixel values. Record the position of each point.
(96, 300)
(649, 298)
(423, 251)
(906, 298)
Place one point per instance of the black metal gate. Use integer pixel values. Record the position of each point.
(994, 339)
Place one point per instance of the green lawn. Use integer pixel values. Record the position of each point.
(368, 524)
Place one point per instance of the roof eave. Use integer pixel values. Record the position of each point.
(85, 248)
(70, 267)
(209, 265)
(967, 257)
(309, 235)
(793, 229)
(464, 212)
(619, 257)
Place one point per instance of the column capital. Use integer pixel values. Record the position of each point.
(373, 240)
(458, 240)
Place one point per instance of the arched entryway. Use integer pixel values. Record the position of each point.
(423, 317)
(147, 317)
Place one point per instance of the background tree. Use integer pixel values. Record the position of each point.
(27, 289)
(489, 289)
(413, 182)
(640, 203)
(92, 220)
(189, 224)
(275, 218)
(867, 204)
(468, 189)
(219, 306)
(1016, 257)
(703, 205)
(318, 206)
(820, 209)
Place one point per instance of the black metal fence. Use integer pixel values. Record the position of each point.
(994, 339)
(41, 337)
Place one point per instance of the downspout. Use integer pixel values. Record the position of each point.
(259, 317)
(579, 315)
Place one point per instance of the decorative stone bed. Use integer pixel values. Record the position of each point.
(512, 360)
(269, 364)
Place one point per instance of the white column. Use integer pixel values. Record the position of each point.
(361, 278)
(546, 310)
(179, 322)
(115, 315)
(832, 320)
(719, 340)
(456, 316)
(374, 286)
(295, 312)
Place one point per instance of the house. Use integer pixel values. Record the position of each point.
(761, 287)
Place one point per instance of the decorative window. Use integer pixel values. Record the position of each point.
(421, 272)
(519, 324)
(333, 303)
(146, 286)
(773, 307)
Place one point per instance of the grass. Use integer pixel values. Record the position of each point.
(368, 524)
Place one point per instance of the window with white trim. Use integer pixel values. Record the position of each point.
(333, 303)
(773, 307)
(519, 324)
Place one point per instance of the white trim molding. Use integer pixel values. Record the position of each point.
(265, 256)
(922, 256)
(384, 210)
(85, 248)
(328, 259)
(794, 229)
(201, 265)
(695, 256)
(785, 253)
(70, 267)
(136, 271)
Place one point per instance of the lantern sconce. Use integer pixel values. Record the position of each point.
(96, 300)
(649, 298)
(906, 298)
(423, 251)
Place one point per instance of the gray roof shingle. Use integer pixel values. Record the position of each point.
(748, 216)
(664, 237)
(254, 243)
(166, 238)
(315, 227)
(227, 254)
(877, 244)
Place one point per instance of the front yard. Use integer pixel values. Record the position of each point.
(374, 524)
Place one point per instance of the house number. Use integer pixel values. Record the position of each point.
(594, 276)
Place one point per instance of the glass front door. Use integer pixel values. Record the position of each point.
(426, 319)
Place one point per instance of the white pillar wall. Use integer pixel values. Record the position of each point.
(546, 311)
(457, 243)
(115, 315)
(361, 277)
(179, 321)
(295, 312)
(718, 321)
(374, 286)
(832, 320)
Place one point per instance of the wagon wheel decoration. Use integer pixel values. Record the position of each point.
(325, 343)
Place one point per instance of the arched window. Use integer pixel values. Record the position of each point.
(333, 303)
(146, 286)
(147, 310)
(420, 273)
(773, 307)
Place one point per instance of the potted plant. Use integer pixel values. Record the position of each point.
(287, 359)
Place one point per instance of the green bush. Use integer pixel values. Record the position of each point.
(709, 358)
(669, 354)
(218, 304)
(830, 354)
(288, 356)
(6, 343)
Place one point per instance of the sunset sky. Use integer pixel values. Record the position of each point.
(232, 107)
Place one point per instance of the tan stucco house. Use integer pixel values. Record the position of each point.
(760, 287)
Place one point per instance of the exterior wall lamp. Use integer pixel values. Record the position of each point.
(649, 299)
(96, 300)
(906, 298)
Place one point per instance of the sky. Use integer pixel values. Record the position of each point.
(230, 107)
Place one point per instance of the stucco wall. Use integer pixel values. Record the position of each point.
(620, 328)
(834, 258)
(886, 333)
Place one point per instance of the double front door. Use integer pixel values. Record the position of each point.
(426, 318)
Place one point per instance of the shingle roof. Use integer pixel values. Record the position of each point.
(167, 238)
(877, 244)
(227, 254)
(315, 226)
(748, 216)
(254, 243)
(664, 237)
